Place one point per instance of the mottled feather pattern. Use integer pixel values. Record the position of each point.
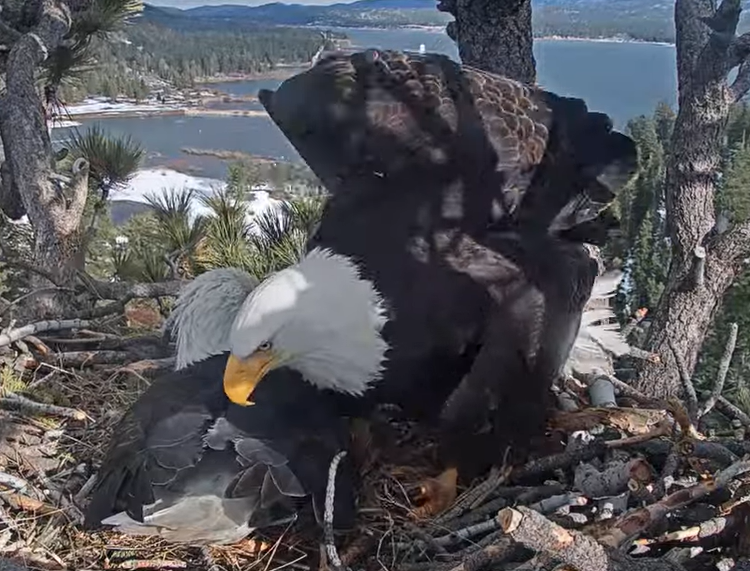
(418, 100)
(422, 119)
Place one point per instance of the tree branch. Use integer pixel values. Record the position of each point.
(741, 84)
(734, 244)
(124, 291)
(687, 383)
(699, 266)
(739, 50)
(721, 376)
(732, 411)
(573, 548)
(16, 334)
(635, 522)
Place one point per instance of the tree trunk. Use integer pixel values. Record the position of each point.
(704, 261)
(494, 35)
(54, 204)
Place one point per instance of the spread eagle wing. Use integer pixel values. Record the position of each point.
(375, 124)
(185, 465)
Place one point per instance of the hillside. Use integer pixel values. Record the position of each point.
(170, 46)
(636, 19)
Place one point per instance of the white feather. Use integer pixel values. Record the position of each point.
(599, 336)
(321, 318)
(203, 314)
(203, 519)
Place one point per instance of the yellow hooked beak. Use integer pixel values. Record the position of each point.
(241, 376)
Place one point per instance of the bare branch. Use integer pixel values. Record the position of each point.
(12, 481)
(739, 50)
(721, 376)
(687, 383)
(732, 411)
(635, 522)
(536, 532)
(724, 21)
(699, 266)
(741, 84)
(573, 548)
(17, 401)
(16, 334)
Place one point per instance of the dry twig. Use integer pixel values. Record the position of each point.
(721, 375)
(573, 548)
(636, 522)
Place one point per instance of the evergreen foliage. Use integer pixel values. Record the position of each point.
(146, 53)
(643, 247)
(172, 241)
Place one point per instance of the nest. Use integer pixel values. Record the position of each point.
(630, 486)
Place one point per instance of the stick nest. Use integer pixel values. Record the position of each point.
(635, 486)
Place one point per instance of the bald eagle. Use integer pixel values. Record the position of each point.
(186, 464)
(462, 200)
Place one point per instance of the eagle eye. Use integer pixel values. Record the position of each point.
(265, 346)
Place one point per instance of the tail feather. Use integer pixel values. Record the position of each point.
(599, 336)
(606, 285)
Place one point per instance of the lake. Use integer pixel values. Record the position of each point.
(621, 79)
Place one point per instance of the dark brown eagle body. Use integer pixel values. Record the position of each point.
(187, 464)
(465, 198)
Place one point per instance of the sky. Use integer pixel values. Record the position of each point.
(193, 3)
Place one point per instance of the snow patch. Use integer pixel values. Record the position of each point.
(63, 124)
(155, 181)
(103, 106)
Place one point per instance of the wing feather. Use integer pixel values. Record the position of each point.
(386, 121)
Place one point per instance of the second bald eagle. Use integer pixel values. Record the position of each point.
(462, 199)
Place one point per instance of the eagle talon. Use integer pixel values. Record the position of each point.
(435, 495)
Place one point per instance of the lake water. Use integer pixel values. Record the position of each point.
(621, 79)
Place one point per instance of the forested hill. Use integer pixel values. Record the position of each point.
(650, 20)
(165, 45)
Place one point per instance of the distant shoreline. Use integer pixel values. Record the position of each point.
(282, 71)
(552, 37)
(613, 40)
(195, 104)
